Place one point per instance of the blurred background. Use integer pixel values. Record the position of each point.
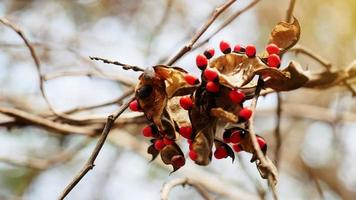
(318, 126)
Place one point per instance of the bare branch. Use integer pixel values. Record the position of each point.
(197, 35)
(167, 187)
(123, 65)
(90, 162)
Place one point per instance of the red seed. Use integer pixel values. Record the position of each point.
(193, 155)
(236, 96)
(190, 141)
(178, 160)
(261, 142)
(237, 147)
(167, 141)
(134, 106)
(250, 50)
(226, 136)
(272, 49)
(186, 131)
(159, 145)
(235, 137)
(245, 113)
(220, 153)
(209, 53)
(239, 49)
(147, 131)
(186, 103)
(225, 47)
(210, 74)
(201, 61)
(212, 87)
(191, 80)
(274, 61)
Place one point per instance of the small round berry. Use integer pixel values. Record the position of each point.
(250, 50)
(272, 49)
(212, 87)
(190, 141)
(159, 145)
(220, 153)
(239, 49)
(237, 147)
(225, 47)
(245, 113)
(236, 96)
(167, 141)
(210, 74)
(134, 106)
(178, 160)
(274, 61)
(226, 136)
(186, 131)
(201, 61)
(209, 53)
(235, 137)
(147, 131)
(191, 80)
(186, 103)
(261, 142)
(193, 155)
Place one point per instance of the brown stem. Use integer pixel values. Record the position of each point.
(123, 65)
(90, 162)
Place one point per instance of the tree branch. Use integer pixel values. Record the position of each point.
(123, 65)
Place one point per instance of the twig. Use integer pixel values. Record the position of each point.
(123, 65)
(167, 187)
(277, 131)
(207, 24)
(90, 162)
(226, 23)
(289, 13)
(303, 50)
(265, 163)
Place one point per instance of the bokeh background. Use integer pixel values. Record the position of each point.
(318, 126)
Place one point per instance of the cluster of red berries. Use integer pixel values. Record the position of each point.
(210, 81)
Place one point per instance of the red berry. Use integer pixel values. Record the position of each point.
(220, 153)
(209, 53)
(261, 142)
(147, 131)
(190, 141)
(245, 113)
(167, 141)
(273, 60)
(237, 147)
(201, 61)
(159, 145)
(250, 50)
(236, 96)
(134, 106)
(238, 49)
(225, 47)
(193, 155)
(235, 137)
(186, 131)
(226, 136)
(190, 79)
(210, 74)
(186, 103)
(212, 87)
(272, 49)
(178, 160)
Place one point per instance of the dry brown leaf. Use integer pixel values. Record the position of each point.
(168, 152)
(224, 115)
(285, 35)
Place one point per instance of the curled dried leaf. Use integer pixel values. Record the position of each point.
(153, 151)
(224, 115)
(229, 150)
(285, 35)
(169, 152)
(290, 78)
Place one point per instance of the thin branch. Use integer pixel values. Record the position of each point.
(207, 24)
(303, 50)
(289, 14)
(265, 163)
(167, 187)
(123, 65)
(90, 162)
(226, 23)
(277, 131)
